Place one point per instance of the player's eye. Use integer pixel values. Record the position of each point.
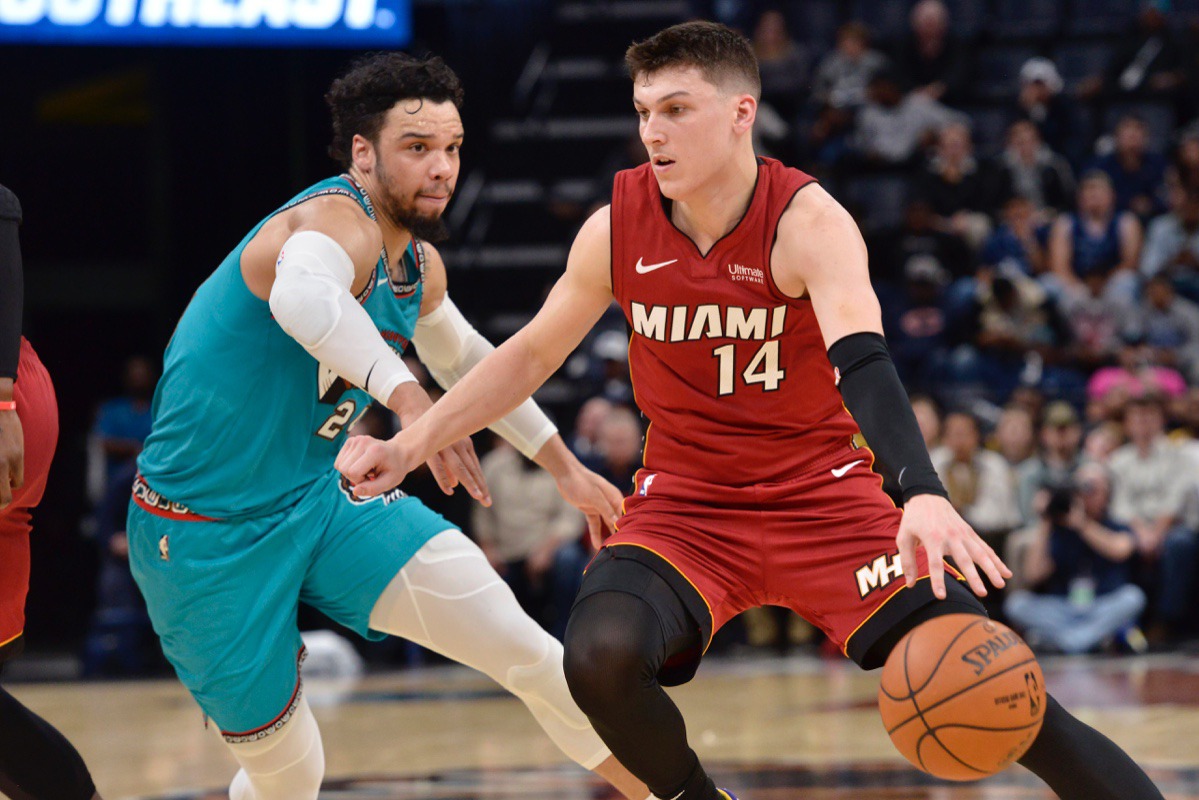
(641, 112)
(417, 148)
(454, 148)
(676, 109)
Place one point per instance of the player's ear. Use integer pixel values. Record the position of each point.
(362, 152)
(745, 112)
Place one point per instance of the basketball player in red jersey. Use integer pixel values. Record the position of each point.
(36, 762)
(757, 355)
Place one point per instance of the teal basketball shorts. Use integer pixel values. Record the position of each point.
(223, 595)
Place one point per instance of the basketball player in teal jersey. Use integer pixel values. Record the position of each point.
(237, 513)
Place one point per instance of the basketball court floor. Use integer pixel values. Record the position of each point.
(773, 729)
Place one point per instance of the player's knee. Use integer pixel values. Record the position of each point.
(287, 765)
(604, 662)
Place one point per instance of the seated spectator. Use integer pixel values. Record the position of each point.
(1185, 164)
(1014, 437)
(782, 64)
(915, 323)
(122, 425)
(918, 237)
(933, 62)
(1036, 173)
(1135, 372)
(928, 417)
(1171, 328)
(1097, 247)
(620, 442)
(1016, 247)
(844, 74)
(1138, 175)
(1172, 244)
(531, 536)
(1053, 464)
(892, 128)
(584, 442)
(1151, 484)
(962, 191)
(1076, 563)
(1043, 103)
(1147, 64)
(840, 88)
(1102, 440)
(980, 483)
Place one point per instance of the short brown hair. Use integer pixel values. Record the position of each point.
(719, 52)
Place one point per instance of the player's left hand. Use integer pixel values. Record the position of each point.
(12, 455)
(931, 522)
(598, 499)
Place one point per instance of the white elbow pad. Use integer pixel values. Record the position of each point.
(311, 301)
(449, 347)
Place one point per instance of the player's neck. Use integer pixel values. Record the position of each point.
(715, 208)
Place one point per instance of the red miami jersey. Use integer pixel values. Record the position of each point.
(732, 374)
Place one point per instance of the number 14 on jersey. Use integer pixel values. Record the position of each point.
(763, 368)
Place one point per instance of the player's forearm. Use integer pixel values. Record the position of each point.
(495, 387)
(555, 457)
(6, 390)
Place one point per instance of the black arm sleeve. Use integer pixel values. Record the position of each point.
(872, 392)
(12, 286)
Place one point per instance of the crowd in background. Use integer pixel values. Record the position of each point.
(1035, 245)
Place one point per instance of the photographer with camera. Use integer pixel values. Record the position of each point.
(1078, 563)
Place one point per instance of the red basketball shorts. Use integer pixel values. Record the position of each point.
(822, 545)
(38, 411)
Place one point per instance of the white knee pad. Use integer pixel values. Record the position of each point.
(287, 765)
(542, 687)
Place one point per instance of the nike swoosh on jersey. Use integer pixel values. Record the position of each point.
(839, 473)
(644, 268)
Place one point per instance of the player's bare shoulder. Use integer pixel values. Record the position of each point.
(338, 217)
(815, 233)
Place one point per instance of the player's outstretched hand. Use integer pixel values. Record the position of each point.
(929, 521)
(12, 456)
(598, 499)
(373, 466)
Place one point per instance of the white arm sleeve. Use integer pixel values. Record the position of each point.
(311, 301)
(449, 347)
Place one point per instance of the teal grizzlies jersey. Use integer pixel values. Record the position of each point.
(244, 418)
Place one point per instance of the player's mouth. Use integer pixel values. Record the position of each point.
(661, 163)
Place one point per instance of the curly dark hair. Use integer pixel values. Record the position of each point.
(360, 99)
(721, 54)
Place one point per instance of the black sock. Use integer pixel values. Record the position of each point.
(1080, 763)
(36, 761)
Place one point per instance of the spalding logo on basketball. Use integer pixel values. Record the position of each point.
(962, 697)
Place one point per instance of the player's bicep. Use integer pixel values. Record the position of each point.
(578, 299)
(822, 244)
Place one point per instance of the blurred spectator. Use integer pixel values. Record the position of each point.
(1147, 64)
(620, 442)
(122, 425)
(1035, 172)
(610, 354)
(962, 191)
(893, 127)
(844, 74)
(1135, 373)
(1171, 328)
(915, 322)
(1094, 250)
(1043, 103)
(584, 442)
(1172, 243)
(918, 237)
(839, 89)
(932, 61)
(1014, 437)
(531, 536)
(782, 63)
(1185, 163)
(1102, 440)
(1015, 248)
(1151, 484)
(1138, 175)
(928, 417)
(1078, 561)
(980, 483)
(1055, 461)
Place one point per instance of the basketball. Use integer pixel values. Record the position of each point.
(962, 697)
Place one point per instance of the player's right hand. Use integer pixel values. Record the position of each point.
(373, 466)
(12, 456)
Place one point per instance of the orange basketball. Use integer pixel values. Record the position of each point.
(962, 697)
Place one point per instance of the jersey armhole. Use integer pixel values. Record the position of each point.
(774, 235)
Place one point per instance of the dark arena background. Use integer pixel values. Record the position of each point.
(1025, 174)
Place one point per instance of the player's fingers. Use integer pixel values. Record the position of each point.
(375, 485)
(17, 474)
(441, 473)
(935, 549)
(477, 484)
(965, 564)
(356, 468)
(991, 564)
(907, 557)
(614, 500)
(5, 487)
(458, 465)
(595, 531)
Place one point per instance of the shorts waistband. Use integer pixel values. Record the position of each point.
(154, 503)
